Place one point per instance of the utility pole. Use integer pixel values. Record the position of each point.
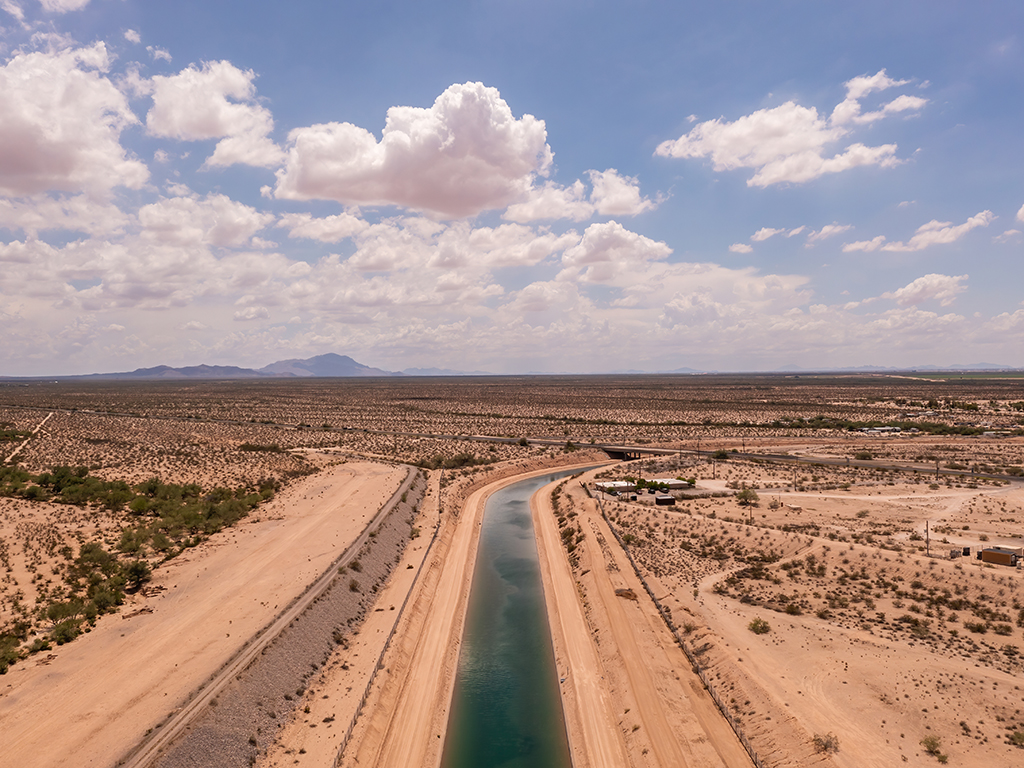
(927, 540)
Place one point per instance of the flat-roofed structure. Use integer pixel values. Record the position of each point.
(672, 483)
(615, 486)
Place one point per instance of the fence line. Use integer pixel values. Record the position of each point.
(387, 644)
(667, 618)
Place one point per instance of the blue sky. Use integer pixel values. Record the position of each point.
(510, 186)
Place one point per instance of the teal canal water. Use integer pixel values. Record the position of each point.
(506, 709)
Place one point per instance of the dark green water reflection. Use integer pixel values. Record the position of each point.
(506, 709)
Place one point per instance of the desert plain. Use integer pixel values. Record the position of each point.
(275, 572)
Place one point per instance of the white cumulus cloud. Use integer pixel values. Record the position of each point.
(609, 251)
(252, 313)
(80, 213)
(329, 229)
(940, 288)
(213, 220)
(764, 233)
(552, 201)
(215, 101)
(60, 124)
(865, 245)
(617, 195)
(940, 232)
(465, 154)
(829, 230)
(788, 143)
(740, 248)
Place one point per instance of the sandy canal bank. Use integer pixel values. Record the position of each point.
(90, 702)
(407, 712)
(628, 691)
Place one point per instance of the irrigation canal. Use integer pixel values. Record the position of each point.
(506, 709)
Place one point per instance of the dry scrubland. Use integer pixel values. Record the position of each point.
(869, 640)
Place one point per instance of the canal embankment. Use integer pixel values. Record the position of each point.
(628, 691)
(408, 711)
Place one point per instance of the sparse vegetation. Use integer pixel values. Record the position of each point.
(827, 744)
(759, 626)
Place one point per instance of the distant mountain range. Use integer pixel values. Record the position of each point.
(333, 365)
(330, 365)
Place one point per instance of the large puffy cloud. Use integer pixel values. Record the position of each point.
(787, 143)
(465, 154)
(214, 220)
(941, 288)
(608, 252)
(60, 124)
(612, 194)
(215, 101)
(617, 195)
(552, 201)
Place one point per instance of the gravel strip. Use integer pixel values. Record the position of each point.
(246, 716)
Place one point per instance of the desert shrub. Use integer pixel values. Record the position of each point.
(66, 631)
(827, 744)
(458, 461)
(272, 448)
(747, 496)
(137, 573)
(759, 626)
(933, 746)
(8, 652)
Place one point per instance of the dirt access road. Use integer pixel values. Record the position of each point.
(668, 717)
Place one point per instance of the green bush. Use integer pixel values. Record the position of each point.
(759, 626)
(933, 746)
(66, 631)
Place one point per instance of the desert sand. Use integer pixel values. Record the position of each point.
(90, 702)
(877, 653)
(901, 657)
(630, 696)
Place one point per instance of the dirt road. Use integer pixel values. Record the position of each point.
(668, 718)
